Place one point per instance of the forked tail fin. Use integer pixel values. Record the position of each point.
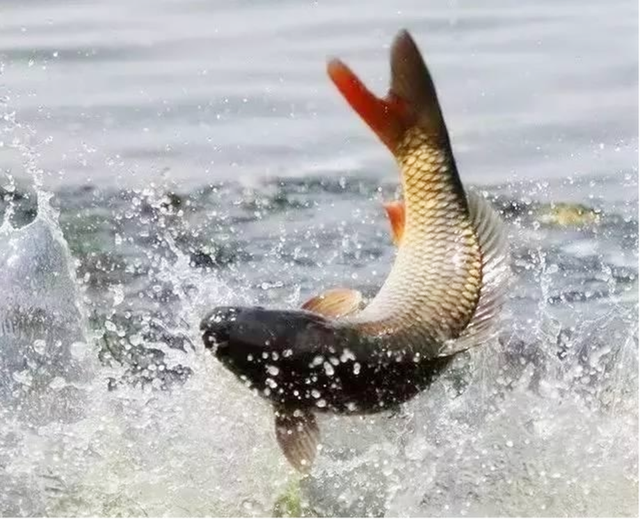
(411, 101)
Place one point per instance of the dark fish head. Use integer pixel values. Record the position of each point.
(268, 347)
(217, 327)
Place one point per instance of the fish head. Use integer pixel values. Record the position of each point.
(258, 344)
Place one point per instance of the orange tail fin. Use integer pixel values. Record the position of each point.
(411, 100)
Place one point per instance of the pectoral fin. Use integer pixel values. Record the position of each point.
(335, 303)
(298, 436)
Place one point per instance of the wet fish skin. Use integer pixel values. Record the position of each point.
(441, 296)
(300, 359)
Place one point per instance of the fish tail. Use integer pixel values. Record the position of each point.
(411, 101)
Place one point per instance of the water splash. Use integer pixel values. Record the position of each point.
(542, 423)
(514, 430)
(131, 450)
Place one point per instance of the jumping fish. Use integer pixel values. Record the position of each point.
(445, 289)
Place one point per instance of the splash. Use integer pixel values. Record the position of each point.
(515, 430)
(542, 422)
(45, 357)
(109, 406)
(71, 446)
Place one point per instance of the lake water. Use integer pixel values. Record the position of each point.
(120, 91)
(189, 153)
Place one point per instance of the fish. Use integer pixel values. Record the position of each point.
(341, 354)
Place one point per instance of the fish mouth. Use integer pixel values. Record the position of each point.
(215, 345)
(219, 348)
(216, 328)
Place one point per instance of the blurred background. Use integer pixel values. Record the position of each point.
(120, 91)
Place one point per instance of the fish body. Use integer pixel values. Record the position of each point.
(300, 359)
(441, 297)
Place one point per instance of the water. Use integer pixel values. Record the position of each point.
(119, 92)
(197, 155)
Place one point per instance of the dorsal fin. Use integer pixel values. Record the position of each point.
(494, 247)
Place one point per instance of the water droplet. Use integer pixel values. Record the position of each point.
(78, 350)
(40, 346)
(118, 295)
(347, 354)
(57, 383)
(328, 369)
(273, 370)
(23, 377)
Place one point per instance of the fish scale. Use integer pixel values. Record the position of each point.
(434, 286)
